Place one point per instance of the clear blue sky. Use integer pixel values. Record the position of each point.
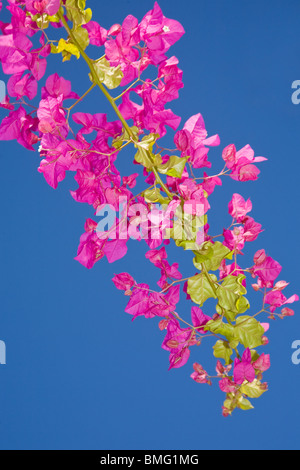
(79, 373)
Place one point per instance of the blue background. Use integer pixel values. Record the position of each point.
(79, 373)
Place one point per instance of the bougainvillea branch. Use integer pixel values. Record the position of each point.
(172, 208)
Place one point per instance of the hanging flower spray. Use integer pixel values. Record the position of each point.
(174, 204)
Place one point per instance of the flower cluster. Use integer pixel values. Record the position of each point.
(174, 205)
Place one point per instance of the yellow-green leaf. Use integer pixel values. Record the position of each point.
(76, 12)
(212, 254)
(82, 37)
(222, 350)
(249, 332)
(153, 196)
(110, 76)
(200, 289)
(173, 167)
(220, 328)
(244, 404)
(253, 390)
(71, 49)
(230, 298)
(144, 155)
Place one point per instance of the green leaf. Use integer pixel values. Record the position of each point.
(82, 37)
(67, 49)
(230, 298)
(204, 254)
(220, 328)
(200, 289)
(81, 4)
(53, 49)
(212, 254)
(154, 195)
(230, 404)
(174, 166)
(54, 19)
(254, 355)
(88, 15)
(76, 12)
(188, 245)
(234, 343)
(242, 304)
(125, 137)
(222, 350)
(144, 155)
(186, 228)
(244, 404)
(110, 76)
(249, 332)
(253, 390)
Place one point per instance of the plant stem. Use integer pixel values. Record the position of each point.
(81, 98)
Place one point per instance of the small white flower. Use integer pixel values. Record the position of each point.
(166, 29)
